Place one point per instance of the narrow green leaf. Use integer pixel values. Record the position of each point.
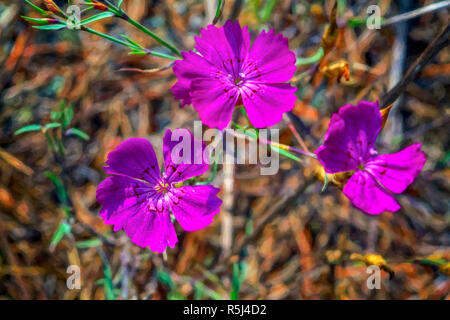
(325, 182)
(35, 20)
(97, 17)
(312, 59)
(267, 10)
(88, 243)
(199, 290)
(218, 11)
(35, 7)
(52, 125)
(77, 132)
(30, 128)
(63, 229)
(68, 115)
(137, 52)
(55, 115)
(119, 4)
(235, 284)
(131, 41)
(109, 287)
(165, 279)
(57, 182)
(51, 27)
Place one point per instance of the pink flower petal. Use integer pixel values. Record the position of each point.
(397, 171)
(125, 205)
(270, 59)
(368, 195)
(193, 66)
(350, 138)
(184, 166)
(153, 229)
(225, 47)
(120, 197)
(134, 158)
(195, 206)
(266, 103)
(214, 101)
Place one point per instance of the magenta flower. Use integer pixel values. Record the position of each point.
(226, 72)
(139, 200)
(349, 146)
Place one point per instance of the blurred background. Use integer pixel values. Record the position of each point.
(76, 96)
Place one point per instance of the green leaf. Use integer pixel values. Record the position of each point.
(165, 279)
(218, 11)
(55, 115)
(57, 182)
(51, 27)
(109, 287)
(119, 4)
(30, 128)
(63, 229)
(35, 7)
(325, 182)
(77, 132)
(68, 115)
(267, 10)
(199, 290)
(312, 59)
(35, 20)
(137, 52)
(131, 41)
(89, 243)
(52, 125)
(235, 282)
(97, 17)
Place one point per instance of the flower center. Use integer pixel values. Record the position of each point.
(162, 187)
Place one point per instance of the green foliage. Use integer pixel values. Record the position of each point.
(57, 182)
(97, 17)
(239, 270)
(58, 26)
(78, 133)
(29, 128)
(63, 229)
(35, 7)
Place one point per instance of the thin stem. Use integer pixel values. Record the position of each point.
(282, 149)
(439, 42)
(129, 45)
(150, 33)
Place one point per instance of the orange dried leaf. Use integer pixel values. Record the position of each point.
(337, 70)
(331, 32)
(384, 115)
(52, 6)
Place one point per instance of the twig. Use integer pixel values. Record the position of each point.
(237, 7)
(415, 13)
(438, 43)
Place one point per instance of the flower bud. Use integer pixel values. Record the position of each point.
(99, 6)
(52, 6)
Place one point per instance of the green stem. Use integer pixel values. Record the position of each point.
(310, 60)
(150, 33)
(129, 45)
(122, 14)
(211, 177)
(50, 141)
(273, 147)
